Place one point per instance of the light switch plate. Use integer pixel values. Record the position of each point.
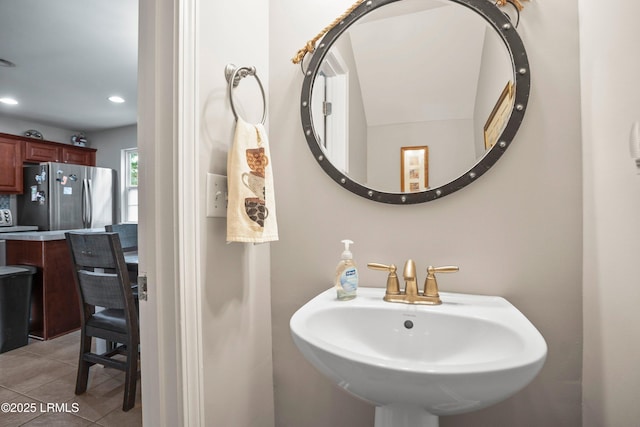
(217, 196)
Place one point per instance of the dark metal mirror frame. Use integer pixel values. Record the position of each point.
(502, 25)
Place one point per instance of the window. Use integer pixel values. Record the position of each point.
(130, 185)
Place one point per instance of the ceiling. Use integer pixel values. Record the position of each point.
(418, 59)
(70, 56)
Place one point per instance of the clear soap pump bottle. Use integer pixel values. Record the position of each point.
(346, 274)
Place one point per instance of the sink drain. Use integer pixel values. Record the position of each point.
(408, 324)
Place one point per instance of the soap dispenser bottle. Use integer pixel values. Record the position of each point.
(346, 274)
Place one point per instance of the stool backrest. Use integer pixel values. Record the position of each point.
(128, 235)
(101, 272)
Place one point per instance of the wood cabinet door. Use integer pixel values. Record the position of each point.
(78, 156)
(41, 152)
(10, 166)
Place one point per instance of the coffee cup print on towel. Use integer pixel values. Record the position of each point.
(255, 183)
(256, 210)
(257, 160)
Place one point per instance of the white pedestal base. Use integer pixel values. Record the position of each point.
(404, 416)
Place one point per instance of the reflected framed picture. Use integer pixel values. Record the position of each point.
(414, 169)
(498, 117)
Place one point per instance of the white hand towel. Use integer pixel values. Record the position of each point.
(251, 211)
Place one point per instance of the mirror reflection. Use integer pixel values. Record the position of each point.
(412, 95)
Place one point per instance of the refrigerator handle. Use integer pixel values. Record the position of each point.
(84, 203)
(89, 205)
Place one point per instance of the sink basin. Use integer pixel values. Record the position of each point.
(416, 363)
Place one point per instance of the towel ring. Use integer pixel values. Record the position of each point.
(233, 75)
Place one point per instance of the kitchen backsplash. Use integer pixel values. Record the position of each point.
(5, 201)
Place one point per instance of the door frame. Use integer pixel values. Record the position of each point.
(170, 323)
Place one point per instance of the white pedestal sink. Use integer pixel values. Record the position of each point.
(416, 363)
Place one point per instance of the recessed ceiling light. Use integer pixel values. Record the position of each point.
(8, 101)
(116, 99)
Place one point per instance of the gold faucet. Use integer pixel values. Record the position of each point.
(411, 295)
(393, 285)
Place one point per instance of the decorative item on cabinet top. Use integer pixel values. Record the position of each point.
(32, 133)
(79, 139)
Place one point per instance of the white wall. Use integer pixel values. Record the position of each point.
(236, 308)
(451, 153)
(609, 57)
(110, 144)
(50, 133)
(516, 232)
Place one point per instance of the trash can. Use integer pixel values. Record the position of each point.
(15, 305)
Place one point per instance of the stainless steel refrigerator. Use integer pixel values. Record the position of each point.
(61, 196)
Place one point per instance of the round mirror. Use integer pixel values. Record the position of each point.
(406, 101)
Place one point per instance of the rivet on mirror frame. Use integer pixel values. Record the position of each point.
(519, 107)
(343, 180)
(522, 71)
(320, 158)
(304, 104)
(369, 3)
(403, 199)
(506, 27)
(307, 132)
(472, 175)
(503, 144)
(370, 193)
(309, 72)
(438, 193)
(321, 46)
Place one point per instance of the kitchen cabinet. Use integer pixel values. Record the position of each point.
(16, 150)
(79, 156)
(54, 152)
(10, 166)
(55, 307)
(41, 152)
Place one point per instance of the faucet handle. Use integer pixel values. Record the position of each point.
(445, 269)
(430, 284)
(393, 285)
(382, 267)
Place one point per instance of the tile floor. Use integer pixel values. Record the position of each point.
(39, 379)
